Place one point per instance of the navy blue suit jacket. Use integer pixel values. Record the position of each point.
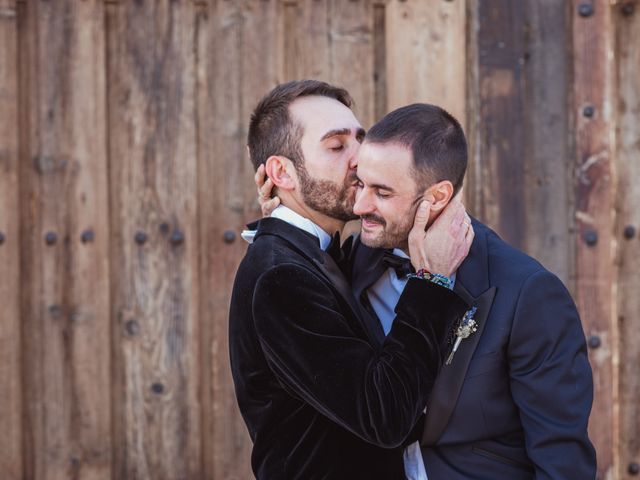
(515, 401)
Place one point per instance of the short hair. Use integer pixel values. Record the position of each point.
(435, 138)
(272, 130)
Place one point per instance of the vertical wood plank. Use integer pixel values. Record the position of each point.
(518, 127)
(10, 394)
(426, 54)
(65, 300)
(547, 195)
(351, 55)
(240, 52)
(594, 202)
(627, 27)
(306, 40)
(153, 185)
(499, 178)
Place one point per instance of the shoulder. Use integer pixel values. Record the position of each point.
(508, 265)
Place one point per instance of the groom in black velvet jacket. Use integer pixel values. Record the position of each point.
(321, 396)
(513, 399)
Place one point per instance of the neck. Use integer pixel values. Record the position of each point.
(328, 224)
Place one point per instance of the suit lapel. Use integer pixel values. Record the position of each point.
(451, 377)
(366, 269)
(308, 246)
(472, 284)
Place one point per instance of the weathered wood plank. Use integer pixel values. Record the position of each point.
(10, 392)
(425, 54)
(627, 21)
(306, 40)
(351, 54)
(547, 195)
(594, 207)
(498, 181)
(153, 185)
(240, 60)
(65, 300)
(518, 127)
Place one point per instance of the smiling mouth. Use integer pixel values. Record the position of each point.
(369, 223)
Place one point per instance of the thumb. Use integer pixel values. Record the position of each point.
(422, 216)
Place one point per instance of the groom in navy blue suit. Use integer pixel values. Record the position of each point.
(514, 397)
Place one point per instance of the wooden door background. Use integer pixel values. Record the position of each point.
(124, 185)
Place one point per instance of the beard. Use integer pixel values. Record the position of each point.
(391, 235)
(327, 197)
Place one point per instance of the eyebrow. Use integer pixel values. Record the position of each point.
(379, 186)
(360, 132)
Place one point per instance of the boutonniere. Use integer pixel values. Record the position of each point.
(466, 328)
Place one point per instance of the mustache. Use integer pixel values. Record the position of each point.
(374, 218)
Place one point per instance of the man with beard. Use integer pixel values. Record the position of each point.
(514, 396)
(321, 397)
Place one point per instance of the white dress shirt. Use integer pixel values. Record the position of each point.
(297, 220)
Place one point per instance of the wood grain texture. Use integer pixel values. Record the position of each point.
(499, 176)
(351, 54)
(426, 54)
(594, 211)
(239, 51)
(628, 258)
(65, 295)
(518, 126)
(153, 186)
(10, 391)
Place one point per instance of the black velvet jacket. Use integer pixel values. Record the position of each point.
(320, 397)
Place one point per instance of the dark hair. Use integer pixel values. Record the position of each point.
(272, 131)
(435, 138)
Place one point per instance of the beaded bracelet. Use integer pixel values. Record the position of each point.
(436, 278)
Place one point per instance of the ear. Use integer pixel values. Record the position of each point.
(281, 172)
(439, 194)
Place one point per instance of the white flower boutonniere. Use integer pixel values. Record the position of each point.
(467, 327)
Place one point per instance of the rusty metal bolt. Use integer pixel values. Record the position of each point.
(229, 236)
(588, 111)
(177, 237)
(2, 238)
(594, 341)
(51, 238)
(634, 468)
(590, 237)
(629, 232)
(628, 9)
(141, 238)
(585, 10)
(157, 388)
(87, 236)
(55, 311)
(132, 327)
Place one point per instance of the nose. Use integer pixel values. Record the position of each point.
(362, 206)
(353, 160)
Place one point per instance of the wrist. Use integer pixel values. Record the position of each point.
(436, 278)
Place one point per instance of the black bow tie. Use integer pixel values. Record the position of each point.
(401, 265)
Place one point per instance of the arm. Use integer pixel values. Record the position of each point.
(551, 380)
(318, 354)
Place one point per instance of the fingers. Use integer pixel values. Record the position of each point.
(422, 216)
(269, 206)
(258, 178)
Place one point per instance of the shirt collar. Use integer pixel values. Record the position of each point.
(297, 220)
